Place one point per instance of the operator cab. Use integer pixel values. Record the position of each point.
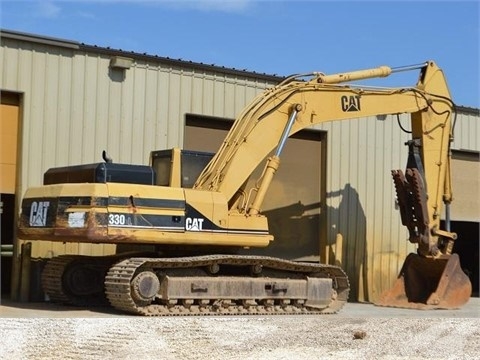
(178, 168)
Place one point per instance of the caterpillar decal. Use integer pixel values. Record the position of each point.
(350, 103)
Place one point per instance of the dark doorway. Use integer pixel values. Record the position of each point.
(467, 248)
(6, 224)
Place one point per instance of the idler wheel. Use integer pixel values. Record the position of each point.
(145, 286)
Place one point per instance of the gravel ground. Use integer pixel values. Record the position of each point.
(340, 336)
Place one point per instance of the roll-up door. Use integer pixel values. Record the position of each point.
(9, 120)
(295, 199)
(465, 212)
(466, 186)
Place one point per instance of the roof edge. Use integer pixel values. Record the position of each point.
(181, 62)
(47, 40)
(468, 110)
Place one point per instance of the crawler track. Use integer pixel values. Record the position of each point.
(52, 278)
(119, 278)
(76, 279)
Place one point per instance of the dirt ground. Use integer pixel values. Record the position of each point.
(358, 331)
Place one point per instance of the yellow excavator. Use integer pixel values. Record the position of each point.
(198, 211)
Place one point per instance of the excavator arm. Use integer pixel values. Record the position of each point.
(432, 277)
(294, 105)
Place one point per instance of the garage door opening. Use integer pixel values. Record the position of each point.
(467, 248)
(295, 213)
(465, 212)
(9, 129)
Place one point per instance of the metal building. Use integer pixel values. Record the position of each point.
(64, 102)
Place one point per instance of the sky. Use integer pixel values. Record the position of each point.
(274, 37)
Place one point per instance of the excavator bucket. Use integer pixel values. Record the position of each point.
(426, 283)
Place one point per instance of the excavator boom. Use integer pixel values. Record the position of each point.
(296, 104)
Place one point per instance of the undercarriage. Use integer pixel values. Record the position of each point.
(196, 285)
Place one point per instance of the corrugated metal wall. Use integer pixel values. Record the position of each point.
(467, 132)
(74, 106)
(361, 201)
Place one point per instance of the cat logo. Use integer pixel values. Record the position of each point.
(350, 103)
(194, 224)
(38, 213)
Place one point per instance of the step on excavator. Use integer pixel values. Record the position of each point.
(197, 211)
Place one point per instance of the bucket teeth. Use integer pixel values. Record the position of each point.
(401, 189)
